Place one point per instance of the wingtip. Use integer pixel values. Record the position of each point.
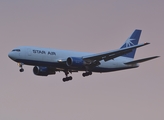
(146, 43)
(157, 56)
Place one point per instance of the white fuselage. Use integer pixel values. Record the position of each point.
(37, 56)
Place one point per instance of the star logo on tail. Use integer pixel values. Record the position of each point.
(129, 42)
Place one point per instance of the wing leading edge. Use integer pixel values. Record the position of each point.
(96, 58)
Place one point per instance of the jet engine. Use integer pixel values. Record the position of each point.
(43, 71)
(75, 62)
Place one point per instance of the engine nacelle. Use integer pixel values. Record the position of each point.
(43, 71)
(75, 62)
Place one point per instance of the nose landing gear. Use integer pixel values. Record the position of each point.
(21, 70)
(21, 67)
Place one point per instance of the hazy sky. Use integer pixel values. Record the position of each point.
(82, 25)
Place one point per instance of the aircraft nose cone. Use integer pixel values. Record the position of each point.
(10, 55)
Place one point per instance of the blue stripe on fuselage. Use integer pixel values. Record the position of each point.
(64, 66)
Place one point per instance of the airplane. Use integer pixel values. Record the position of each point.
(47, 61)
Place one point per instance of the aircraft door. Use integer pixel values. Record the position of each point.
(29, 52)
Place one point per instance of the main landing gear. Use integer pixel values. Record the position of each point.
(86, 74)
(21, 67)
(67, 78)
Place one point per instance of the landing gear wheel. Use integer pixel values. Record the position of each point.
(21, 67)
(21, 70)
(70, 77)
(86, 74)
(90, 73)
(64, 79)
(67, 79)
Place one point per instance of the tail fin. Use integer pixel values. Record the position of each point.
(132, 40)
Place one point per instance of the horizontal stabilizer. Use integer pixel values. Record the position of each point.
(141, 60)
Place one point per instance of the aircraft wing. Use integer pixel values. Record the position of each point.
(95, 58)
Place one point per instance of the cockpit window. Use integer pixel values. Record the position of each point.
(18, 50)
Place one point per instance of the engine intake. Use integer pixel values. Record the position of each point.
(75, 62)
(43, 71)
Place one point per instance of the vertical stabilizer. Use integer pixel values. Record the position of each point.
(131, 41)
